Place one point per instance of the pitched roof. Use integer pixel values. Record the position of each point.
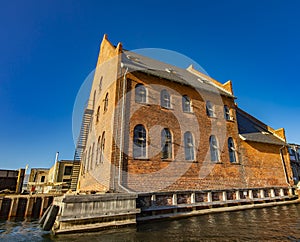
(251, 129)
(136, 62)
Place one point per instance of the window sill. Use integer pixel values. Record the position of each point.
(213, 117)
(230, 120)
(145, 104)
(235, 163)
(216, 162)
(188, 112)
(141, 158)
(165, 108)
(167, 160)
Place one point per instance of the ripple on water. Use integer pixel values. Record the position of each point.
(280, 223)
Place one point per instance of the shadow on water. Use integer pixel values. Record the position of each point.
(280, 223)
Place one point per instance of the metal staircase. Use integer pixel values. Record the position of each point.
(84, 130)
(75, 175)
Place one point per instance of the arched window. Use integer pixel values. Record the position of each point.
(186, 104)
(98, 114)
(106, 102)
(102, 147)
(84, 162)
(100, 83)
(98, 151)
(140, 93)
(92, 157)
(210, 109)
(165, 100)
(227, 115)
(231, 150)
(88, 159)
(139, 141)
(94, 99)
(189, 146)
(166, 144)
(214, 148)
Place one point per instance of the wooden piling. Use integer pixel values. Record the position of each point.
(13, 208)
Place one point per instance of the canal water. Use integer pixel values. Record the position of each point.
(281, 223)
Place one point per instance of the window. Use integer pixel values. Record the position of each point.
(227, 115)
(68, 170)
(189, 146)
(106, 102)
(43, 179)
(94, 100)
(100, 83)
(140, 94)
(231, 150)
(186, 104)
(292, 153)
(165, 99)
(210, 109)
(139, 142)
(92, 157)
(98, 151)
(166, 144)
(214, 148)
(298, 154)
(98, 114)
(102, 146)
(88, 159)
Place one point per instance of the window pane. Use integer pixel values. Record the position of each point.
(231, 150)
(165, 99)
(139, 142)
(226, 113)
(140, 93)
(210, 109)
(189, 146)
(186, 104)
(166, 144)
(214, 149)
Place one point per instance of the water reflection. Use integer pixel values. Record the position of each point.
(280, 223)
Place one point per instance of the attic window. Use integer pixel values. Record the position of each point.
(170, 70)
(133, 58)
(264, 132)
(200, 80)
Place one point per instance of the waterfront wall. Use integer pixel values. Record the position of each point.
(187, 203)
(24, 206)
(93, 212)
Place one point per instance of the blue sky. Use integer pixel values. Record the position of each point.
(47, 48)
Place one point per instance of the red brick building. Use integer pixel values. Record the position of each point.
(152, 126)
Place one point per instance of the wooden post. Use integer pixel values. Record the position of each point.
(13, 207)
(224, 196)
(272, 193)
(262, 193)
(281, 192)
(193, 197)
(209, 197)
(42, 206)
(174, 199)
(153, 200)
(250, 194)
(1, 200)
(29, 206)
(237, 195)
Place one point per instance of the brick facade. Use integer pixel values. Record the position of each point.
(256, 164)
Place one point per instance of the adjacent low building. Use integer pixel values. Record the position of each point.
(11, 180)
(61, 177)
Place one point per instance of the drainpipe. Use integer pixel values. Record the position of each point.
(121, 133)
(284, 167)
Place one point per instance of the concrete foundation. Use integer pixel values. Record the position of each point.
(94, 212)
